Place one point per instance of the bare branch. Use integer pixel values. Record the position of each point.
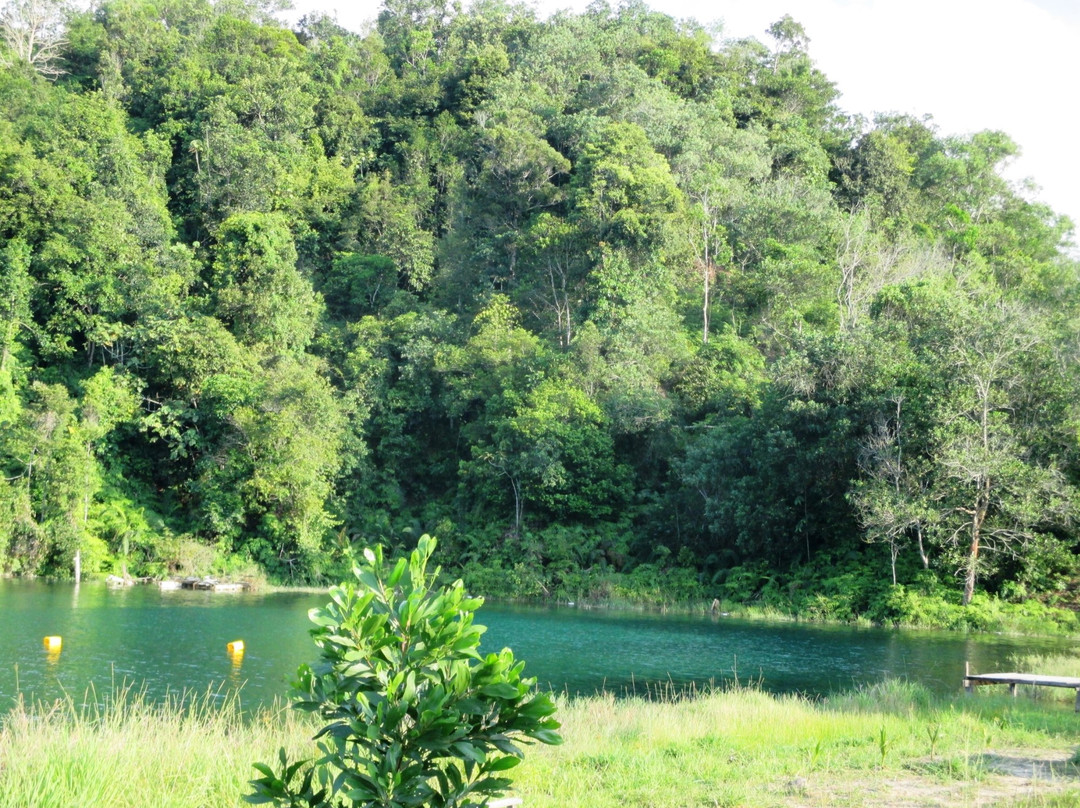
(35, 34)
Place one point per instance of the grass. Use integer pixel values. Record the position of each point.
(1049, 664)
(889, 745)
(123, 750)
(892, 744)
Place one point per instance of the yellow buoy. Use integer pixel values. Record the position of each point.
(236, 647)
(54, 643)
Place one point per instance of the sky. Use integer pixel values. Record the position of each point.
(1010, 65)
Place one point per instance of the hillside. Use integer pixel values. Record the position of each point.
(607, 305)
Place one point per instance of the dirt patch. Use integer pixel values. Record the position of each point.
(988, 780)
(1037, 766)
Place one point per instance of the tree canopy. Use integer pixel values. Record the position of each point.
(598, 293)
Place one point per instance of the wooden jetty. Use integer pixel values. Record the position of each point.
(212, 585)
(202, 584)
(971, 680)
(120, 582)
(224, 586)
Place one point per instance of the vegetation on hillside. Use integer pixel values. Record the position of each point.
(602, 301)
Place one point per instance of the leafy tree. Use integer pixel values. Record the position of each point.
(716, 169)
(725, 375)
(892, 499)
(555, 453)
(516, 182)
(989, 489)
(356, 285)
(269, 473)
(555, 276)
(624, 192)
(53, 447)
(392, 218)
(16, 286)
(1003, 497)
(259, 292)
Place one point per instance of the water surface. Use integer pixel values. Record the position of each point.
(175, 642)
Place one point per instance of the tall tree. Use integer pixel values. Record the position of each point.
(1004, 498)
(258, 291)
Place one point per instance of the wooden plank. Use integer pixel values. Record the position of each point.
(1014, 679)
(227, 587)
(1035, 679)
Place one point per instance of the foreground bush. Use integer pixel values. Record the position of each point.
(417, 717)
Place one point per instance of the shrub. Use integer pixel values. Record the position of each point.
(417, 717)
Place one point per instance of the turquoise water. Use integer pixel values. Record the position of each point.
(175, 642)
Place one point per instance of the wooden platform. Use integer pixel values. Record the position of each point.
(205, 584)
(971, 680)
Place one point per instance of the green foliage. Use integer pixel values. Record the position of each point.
(626, 308)
(259, 293)
(416, 715)
(273, 463)
(625, 192)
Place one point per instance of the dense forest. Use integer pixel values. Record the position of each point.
(605, 301)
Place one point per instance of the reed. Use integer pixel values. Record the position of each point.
(1049, 664)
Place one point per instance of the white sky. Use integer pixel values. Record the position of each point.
(1011, 65)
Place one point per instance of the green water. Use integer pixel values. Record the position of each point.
(175, 642)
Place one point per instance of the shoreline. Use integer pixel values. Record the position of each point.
(917, 611)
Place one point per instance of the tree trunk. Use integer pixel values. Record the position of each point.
(982, 504)
(922, 550)
(519, 506)
(969, 580)
(705, 308)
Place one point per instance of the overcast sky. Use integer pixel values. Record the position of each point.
(971, 64)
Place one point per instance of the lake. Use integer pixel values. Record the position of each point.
(175, 642)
